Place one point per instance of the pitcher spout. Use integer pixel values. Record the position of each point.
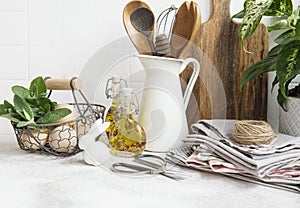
(171, 65)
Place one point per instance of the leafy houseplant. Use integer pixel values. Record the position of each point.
(32, 106)
(284, 58)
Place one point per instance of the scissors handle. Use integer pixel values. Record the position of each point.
(159, 164)
(132, 169)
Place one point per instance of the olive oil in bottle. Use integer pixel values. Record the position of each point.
(112, 91)
(127, 138)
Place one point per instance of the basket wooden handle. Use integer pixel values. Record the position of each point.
(63, 84)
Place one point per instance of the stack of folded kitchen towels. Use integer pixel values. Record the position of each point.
(211, 148)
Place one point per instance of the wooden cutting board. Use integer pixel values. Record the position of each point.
(223, 62)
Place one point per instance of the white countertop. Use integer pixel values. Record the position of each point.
(37, 180)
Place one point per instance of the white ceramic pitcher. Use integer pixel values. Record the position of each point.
(162, 109)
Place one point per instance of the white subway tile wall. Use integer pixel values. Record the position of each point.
(43, 29)
(45, 6)
(59, 38)
(13, 28)
(14, 63)
(12, 5)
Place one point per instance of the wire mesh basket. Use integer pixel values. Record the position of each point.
(61, 138)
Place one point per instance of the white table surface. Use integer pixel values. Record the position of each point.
(35, 180)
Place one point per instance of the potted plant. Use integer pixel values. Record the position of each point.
(284, 58)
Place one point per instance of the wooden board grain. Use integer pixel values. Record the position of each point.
(223, 62)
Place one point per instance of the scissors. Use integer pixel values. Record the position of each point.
(149, 164)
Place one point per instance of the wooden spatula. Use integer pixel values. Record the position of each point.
(190, 45)
(182, 29)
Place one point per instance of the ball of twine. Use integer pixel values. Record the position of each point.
(252, 132)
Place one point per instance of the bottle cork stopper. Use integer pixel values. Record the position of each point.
(116, 78)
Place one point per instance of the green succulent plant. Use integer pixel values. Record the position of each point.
(284, 58)
(32, 106)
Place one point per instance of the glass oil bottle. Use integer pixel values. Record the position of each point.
(127, 138)
(113, 88)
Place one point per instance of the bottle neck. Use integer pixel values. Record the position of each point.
(115, 103)
(127, 116)
(126, 105)
(115, 90)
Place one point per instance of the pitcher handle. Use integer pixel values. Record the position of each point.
(192, 81)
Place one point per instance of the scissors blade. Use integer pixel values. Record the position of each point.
(159, 165)
(172, 176)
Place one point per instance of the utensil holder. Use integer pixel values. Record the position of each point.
(65, 135)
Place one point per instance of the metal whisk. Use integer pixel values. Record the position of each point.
(165, 22)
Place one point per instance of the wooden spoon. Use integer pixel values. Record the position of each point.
(142, 20)
(138, 21)
(187, 24)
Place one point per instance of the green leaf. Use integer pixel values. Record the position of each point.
(23, 108)
(25, 123)
(27, 115)
(291, 22)
(281, 98)
(53, 116)
(8, 105)
(21, 91)
(42, 106)
(265, 65)
(46, 108)
(53, 105)
(254, 10)
(8, 108)
(35, 111)
(3, 109)
(280, 8)
(293, 18)
(11, 117)
(31, 101)
(44, 119)
(279, 25)
(275, 50)
(288, 65)
(239, 15)
(38, 87)
(275, 82)
(43, 101)
(34, 90)
(291, 39)
(286, 35)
